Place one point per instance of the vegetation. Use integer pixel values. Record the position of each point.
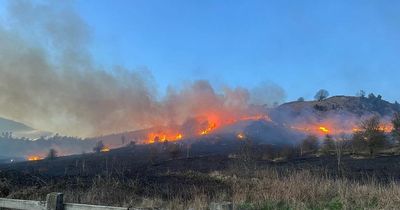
(309, 144)
(328, 145)
(371, 135)
(262, 189)
(52, 154)
(396, 127)
(99, 146)
(335, 172)
(361, 94)
(321, 95)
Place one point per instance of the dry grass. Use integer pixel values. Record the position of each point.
(259, 189)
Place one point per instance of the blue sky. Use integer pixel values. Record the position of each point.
(303, 46)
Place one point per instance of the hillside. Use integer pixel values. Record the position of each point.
(336, 113)
(336, 107)
(21, 130)
(12, 126)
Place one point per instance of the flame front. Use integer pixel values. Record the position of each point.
(154, 137)
(34, 158)
(211, 126)
(203, 126)
(105, 149)
(324, 129)
(335, 128)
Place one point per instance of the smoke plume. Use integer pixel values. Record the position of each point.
(48, 79)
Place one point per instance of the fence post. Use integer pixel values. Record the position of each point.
(55, 201)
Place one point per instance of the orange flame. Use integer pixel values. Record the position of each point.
(335, 128)
(105, 149)
(324, 129)
(206, 125)
(34, 158)
(154, 137)
(211, 126)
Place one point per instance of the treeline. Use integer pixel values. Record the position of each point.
(369, 139)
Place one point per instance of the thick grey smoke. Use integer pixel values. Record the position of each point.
(49, 80)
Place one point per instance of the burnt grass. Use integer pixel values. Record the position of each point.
(165, 173)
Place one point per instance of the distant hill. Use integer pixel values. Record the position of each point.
(336, 106)
(12, 126)
(21, 130)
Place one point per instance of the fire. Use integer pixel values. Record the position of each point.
(210, 127)
(240, 136)
(335, 128)
(386, 127)
(105, 149)
(154, 137)
(34, 158)
(204, 125)
(324, 129)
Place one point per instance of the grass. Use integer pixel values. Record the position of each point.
(254, 189)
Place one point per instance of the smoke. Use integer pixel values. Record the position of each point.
(50, 81)
(268, 93)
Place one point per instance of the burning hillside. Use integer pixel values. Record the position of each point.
(219, 120)
(196, 127)
(334, 116)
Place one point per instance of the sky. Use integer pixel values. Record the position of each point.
(87, 67)
(303, 46)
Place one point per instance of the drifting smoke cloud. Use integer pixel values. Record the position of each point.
(48, 80)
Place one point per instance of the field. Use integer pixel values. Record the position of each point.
(159, 176)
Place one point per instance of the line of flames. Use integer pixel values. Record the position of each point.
(168, 135)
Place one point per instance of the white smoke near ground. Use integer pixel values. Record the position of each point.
(48, 80)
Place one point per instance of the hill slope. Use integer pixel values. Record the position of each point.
(336, 106)
(12, 126)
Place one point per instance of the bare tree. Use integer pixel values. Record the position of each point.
(309, 145)
(99, 146)
(328, 145)
(52, 154)
(396, 127)
(361, 94)
(372, 133)
(321, 95)
(339, 148)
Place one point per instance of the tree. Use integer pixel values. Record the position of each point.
(339, 147)
(99, 146)
(396, 127)
(301, 99)
(309, 144)
(371, 96)
(52, 154)
(358, 143)
(328, 145)
(321, 95)
(123, 139)
(132, 144)
(361, 94)
(396, 106)
(372, 134)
